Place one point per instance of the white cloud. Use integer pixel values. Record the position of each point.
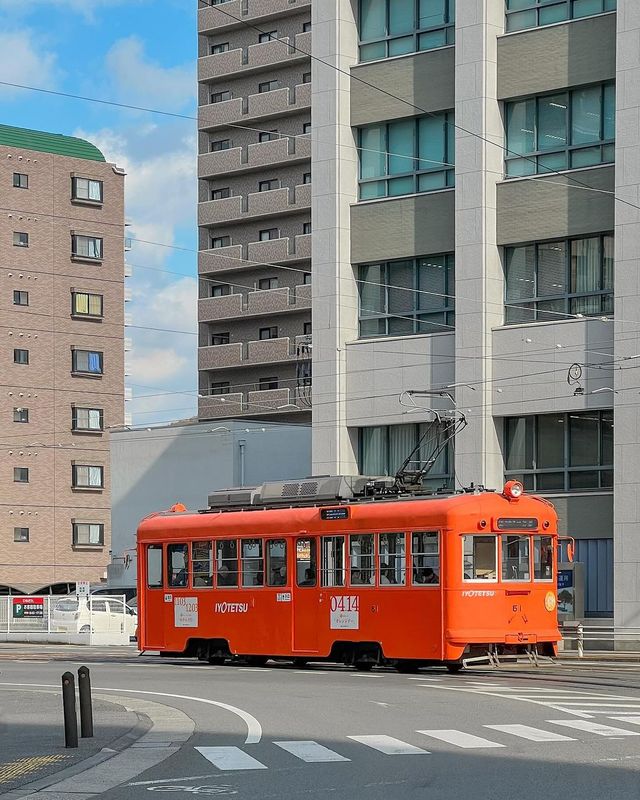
(85, 7)
(24, 61)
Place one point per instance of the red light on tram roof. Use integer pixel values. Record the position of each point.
(178, 508)
(513, 490)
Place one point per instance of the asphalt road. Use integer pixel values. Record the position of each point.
(287, 734)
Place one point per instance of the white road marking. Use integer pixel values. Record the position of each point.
(612, 706)
(366, 675)
(253, 669)
(422, 678)
(533, 734)
(593, 727)
(389, 746)
(308, 672)
(312, 752)
(633, 719)
(461, 739)
(230, 758)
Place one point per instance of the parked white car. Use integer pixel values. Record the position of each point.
(99, 615)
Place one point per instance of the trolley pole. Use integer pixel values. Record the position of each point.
(86, 704)
(69, 709)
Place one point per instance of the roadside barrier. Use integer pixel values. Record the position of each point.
(583, 637)
(69, 706)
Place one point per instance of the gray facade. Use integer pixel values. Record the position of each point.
(254, 209)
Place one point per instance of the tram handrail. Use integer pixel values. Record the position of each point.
(583, 634)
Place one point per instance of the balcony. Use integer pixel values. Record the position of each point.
(279, 152)
(257, 205)
(255, 107)
(259, 303)
(249, 354)
(237, 257)
(255, 58)
(221, 405)
(212, 19)
(254, 402)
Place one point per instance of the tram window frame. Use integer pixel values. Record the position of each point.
(505, 561)
(282, 563)
(425, 557)
(158, 568)
(222, 560)
(304, 579)
(393, 576)
(178, 577)
(358, 560)
(476, 538)
(537, 544)
(202, 553)
(256, 576)
(335, 570)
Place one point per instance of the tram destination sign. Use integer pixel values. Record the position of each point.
(334, 513)
(517, 524)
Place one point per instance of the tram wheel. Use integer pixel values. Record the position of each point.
(407, 667)
(364, 666)
(216, 660)
(454, 668)
(301, 663)
(256, 661)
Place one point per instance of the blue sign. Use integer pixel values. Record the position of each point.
(565, 578)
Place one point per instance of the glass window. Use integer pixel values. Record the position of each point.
(177, 565)
(202, 564)
(394, 27)
(306, 562)
(87, 361)
(21, 415)
(333, 560)
(20, 356)
(479, 562)
(276, 562)
(86, 305)
(252, 562)
(226, 563)
(542, 558)
(86, 246)
(391, 559)
(361, 559)
(20, 298)
(87, 419)
(425, 558)
(86, 476)
(515, 558)
(523, 14)
(86, 189)
(88, 533)
(20, 180)
(21, 534)
(154, 566)
(20, 239)
(21, 474)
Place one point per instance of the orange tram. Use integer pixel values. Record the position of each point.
(338, 569)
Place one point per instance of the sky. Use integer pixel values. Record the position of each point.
(141, 53)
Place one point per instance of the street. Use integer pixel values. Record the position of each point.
(281, 732)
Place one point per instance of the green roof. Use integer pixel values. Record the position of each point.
(49, 143)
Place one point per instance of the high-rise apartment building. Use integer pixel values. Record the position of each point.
(254, 210)
(477, 230)
(62, 327)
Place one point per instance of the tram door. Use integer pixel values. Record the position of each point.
(154, 605)
(305, 601)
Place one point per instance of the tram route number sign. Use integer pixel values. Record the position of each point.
(345, 612)
(28, 607)
(185, 612)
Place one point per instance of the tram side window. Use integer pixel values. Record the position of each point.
(479, 563)
(226, 563)
(177, 565)
(542, 558)
(276, 562)
(252, 562)
(515, 558)
(154, 566)
(425, 555)
(306, 562)
(360, 560)
(333, 560)
(391, 559)
(202, 564)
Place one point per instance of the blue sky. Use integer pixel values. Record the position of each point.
(141, 53)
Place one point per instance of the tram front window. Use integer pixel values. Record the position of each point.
(306, 566)
(515, 558)
(542, 558)
(154, 566)
(333, 560)
(178, 565)
(480, 558)
(361, 559)
(425, 556)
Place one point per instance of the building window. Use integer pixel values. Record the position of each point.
(306, 27)
(306, 128)
(87, 419)
(20, 356)
(394, 27)
(267, 36)
(220, 194)
(20, 298)
(21, 474)
(306, 77)
(306, 329)
(268, 186)
(221, 97)
(306, 278)
(306, 178)
(86, 189)
(21, 415)
(88, 533)
(407, 156)
(268, 86)
(268, 283)
(85, 476)
(523, 14)
(401, 298)
(268, 136)
(20, 239)
(223, 47)
(560, 452)
(87, 361)
(269, 333)
(222, 290)
(566, 130)
(268, 234)
(220, 338)
(306, 228)
(86, 247)
(556, 280)
(84, 304)
(220, 241)
(267, 383)
(21, 534)
(220, 144)
(220, 387)
(383, 450)
(20, 180)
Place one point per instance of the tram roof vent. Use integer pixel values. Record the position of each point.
(223, 498)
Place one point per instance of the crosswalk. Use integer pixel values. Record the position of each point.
(235, 759)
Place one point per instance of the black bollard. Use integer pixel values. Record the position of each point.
(86, 705)
(69, 708)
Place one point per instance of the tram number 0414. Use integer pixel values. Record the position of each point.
(349, 602)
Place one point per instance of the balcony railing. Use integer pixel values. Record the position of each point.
(254, 402)
(262, 302)
(235, 257)
(255, 206)
(247, 354)
(213, 19)
(256, 57)
(284, 152)
(241, 110)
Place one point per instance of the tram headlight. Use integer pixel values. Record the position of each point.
(513, 490)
